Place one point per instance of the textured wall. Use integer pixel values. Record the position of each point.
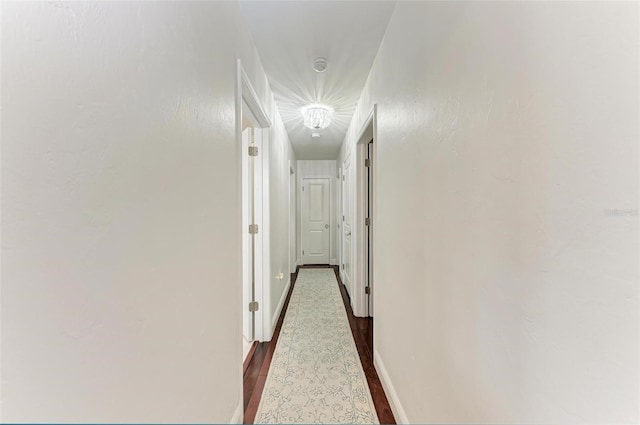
(121, 210)
(280, 153)
(506, 280)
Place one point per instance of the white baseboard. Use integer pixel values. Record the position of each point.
(392, 396)
(238, 414)
(333, 262)
(276, 316)
(246, 347)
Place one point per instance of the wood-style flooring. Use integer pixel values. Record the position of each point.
(257, 364)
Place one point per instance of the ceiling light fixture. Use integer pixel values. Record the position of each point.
(316, 116)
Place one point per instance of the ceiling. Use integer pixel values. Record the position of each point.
(289, 35)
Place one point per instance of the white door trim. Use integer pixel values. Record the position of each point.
(292, 217)
(346, 259)
(265, 288)
(249, 94)
(246, 93)
(359, 298)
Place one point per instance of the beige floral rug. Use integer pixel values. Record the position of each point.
(315, 375)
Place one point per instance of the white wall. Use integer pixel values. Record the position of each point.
(507, 132)
(121, 284)
(280, 153)
(318, 168)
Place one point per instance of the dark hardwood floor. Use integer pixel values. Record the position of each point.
(362, 330)
(257, 366)
(255, 373)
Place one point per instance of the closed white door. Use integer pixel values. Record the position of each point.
(347, 268)
(248, 217)
(315, 221)
(251, 236)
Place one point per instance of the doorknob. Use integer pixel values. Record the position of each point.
(326, 226)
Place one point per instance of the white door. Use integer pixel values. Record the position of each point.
(248, 213)
(251, 215)
(315, 221)
(347, 269)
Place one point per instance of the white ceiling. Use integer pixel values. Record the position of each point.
(289, 35)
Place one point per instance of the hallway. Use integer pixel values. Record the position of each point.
(325, 356)
(468, 170)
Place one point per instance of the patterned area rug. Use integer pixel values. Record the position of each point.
(315, 375)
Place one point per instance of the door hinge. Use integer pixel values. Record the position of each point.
(343, 267)
(253, 151)
(343, 177)
(367, 221)
(342, 218)
(253, 306)
(303, 188)
(367, 290)
(253, 229)
(367, 163)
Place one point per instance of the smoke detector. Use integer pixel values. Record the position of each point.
(320, 64)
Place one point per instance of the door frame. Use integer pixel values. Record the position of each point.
(368, 131)
(292, 217)
(331, 218)
(251, 213)
(344, 194)
(245, 93)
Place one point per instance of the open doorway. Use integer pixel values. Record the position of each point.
(368, 228)
(253, 132)
(346, 270)
(364, 226)
(251, 220)
(292, 219)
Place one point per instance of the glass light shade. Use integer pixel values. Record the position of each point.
(317, 116)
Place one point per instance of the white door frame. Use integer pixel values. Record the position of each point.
(251, 213)
(246, 93)
(359, 233)
(348, 215)
(331, 218)
(292, 218)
